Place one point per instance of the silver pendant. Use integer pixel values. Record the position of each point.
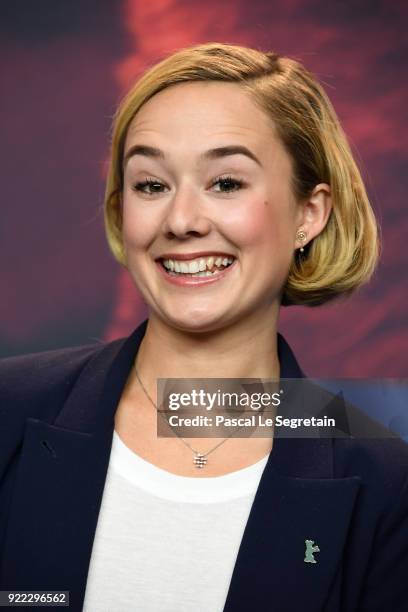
(199, 460)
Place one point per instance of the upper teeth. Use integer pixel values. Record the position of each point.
(196, 265)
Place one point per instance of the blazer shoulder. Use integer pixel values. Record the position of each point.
(32, 384)
(381, 463)
(368, 449)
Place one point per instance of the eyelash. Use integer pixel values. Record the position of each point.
(239, 183)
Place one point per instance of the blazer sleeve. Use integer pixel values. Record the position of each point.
(386, 584)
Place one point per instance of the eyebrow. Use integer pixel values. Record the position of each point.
(211, 154)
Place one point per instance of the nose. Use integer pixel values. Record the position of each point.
(184, 215)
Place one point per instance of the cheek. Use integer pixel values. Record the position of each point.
(138, 227)
(262, 223)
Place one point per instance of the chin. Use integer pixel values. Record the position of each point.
(196, 322)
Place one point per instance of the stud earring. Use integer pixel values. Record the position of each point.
(301, 236)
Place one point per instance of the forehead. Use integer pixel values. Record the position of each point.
(203, 110)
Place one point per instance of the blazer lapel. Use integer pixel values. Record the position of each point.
(274, 563)
(54, 509)
(61, 475)
(60, 479)
(299, 506)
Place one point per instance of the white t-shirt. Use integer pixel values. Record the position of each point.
(166, 543)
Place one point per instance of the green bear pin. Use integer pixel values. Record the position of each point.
(310, 550)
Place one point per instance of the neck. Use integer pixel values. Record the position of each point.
(243, 350)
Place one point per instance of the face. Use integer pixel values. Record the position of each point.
(206, 180)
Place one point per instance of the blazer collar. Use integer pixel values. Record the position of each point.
(102, 381)
(61, 476)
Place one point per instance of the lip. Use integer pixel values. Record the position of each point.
(191, 281)
(184, 256)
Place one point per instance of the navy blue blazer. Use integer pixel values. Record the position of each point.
(349, 496)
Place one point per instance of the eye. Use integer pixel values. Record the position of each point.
(227, 183)
(153, 184)
(230, 183)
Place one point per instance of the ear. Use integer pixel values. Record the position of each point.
(314, 214)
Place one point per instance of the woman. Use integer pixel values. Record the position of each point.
(231, 191)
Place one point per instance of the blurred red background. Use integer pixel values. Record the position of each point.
(65, 66)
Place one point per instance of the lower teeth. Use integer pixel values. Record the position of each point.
(205, 273)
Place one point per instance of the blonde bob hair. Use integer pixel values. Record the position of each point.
(343, 256)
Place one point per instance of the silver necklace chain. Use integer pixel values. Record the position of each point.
(200, 459)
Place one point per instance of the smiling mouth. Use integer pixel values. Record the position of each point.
(196, 268)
